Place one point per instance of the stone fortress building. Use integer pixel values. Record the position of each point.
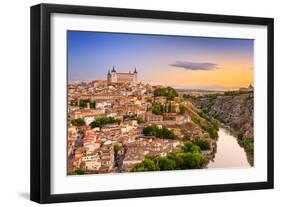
(117, 77)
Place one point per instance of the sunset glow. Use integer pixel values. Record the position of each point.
(181, 62)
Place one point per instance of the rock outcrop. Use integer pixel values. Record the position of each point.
(235, 111)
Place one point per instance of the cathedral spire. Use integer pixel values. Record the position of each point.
(135, 70)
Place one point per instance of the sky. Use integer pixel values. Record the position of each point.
(177, 61)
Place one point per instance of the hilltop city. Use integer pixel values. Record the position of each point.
(123, 125)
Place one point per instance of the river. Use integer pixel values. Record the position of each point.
(229, 153)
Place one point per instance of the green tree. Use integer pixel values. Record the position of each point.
(187, 157)
(140, 120)
(116, 148)
(82, 104)
(203, 144)
(182, 109)
(190, 147)
(154, 130)
(170, 107)
(249, 145)
(169, 92)
(166, 163)
(146, 165)
(191, 160)
(157, 108)
(79, 171)
(212, 132)
(93, 104)
(78, 122)
(240, 136)
(99, 122)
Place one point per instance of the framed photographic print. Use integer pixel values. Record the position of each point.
(133, 103)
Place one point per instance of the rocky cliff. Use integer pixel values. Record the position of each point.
(234, 110)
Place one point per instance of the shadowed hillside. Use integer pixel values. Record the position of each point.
(235, 111)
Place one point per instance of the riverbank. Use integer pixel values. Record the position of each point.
(234, 112)
(241, 142)
(228, 153)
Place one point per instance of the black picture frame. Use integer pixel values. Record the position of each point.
(41, 96)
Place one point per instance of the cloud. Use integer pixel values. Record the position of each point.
(195, 65)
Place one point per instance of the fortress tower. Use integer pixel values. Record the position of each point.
(117, 77)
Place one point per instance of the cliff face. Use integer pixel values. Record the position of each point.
(235, 111)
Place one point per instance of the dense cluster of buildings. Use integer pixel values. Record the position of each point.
(116, 147)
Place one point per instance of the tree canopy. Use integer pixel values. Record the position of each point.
(116, 148)
(169, 92)
(79, 171)
(249, 146)
(157, 108)
(78, 122)
(188, 156)
(182, 109)
(99, 122)
(83, 103)
(203, 144)
(154, 130)
(211, 129)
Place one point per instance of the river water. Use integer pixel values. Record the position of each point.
(229, 153)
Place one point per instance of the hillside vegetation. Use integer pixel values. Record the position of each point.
(203, 121)
(233, 110)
